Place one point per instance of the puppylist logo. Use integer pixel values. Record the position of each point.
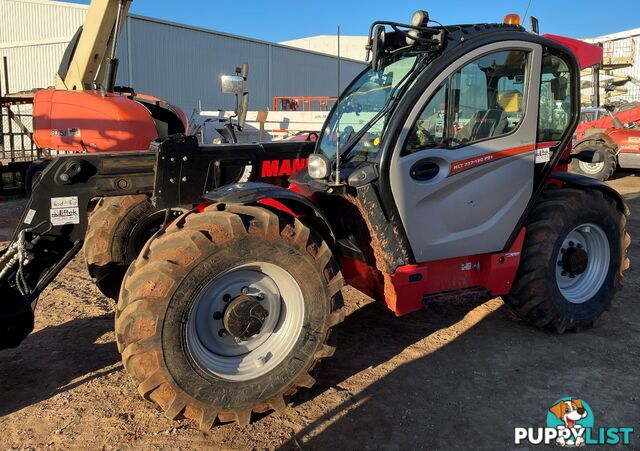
(570, 422)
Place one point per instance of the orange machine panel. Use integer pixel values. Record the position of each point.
(176, 110)
(90, 122)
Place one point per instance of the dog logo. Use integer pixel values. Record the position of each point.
(574, 417)
(570, 423)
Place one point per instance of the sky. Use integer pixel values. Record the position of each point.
(282, 20)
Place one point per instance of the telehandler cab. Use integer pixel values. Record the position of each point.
(440, 172)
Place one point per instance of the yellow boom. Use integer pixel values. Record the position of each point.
(96, 46)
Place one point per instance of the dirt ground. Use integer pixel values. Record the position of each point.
(455, 376)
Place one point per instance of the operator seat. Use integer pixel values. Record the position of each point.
(483, 124)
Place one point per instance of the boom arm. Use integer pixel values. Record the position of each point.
(96, 46)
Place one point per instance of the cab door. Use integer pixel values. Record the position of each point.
(462, 171)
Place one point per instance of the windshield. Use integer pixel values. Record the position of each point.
(360, 104)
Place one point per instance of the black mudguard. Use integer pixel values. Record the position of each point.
(253, 192)
(582, 181)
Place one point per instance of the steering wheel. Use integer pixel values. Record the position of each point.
(352, 106)
(346, 134)
(458, 142)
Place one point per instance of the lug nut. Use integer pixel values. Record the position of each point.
(217, 316)
(222, 333)
(572, 276)
(226, 297)
(260, 296)
(562, 251)
(245, 290)
(571, 243)
(579, 246)
(564, 273)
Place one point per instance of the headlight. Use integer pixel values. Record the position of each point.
(319, 166)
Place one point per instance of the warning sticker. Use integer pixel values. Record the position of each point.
(543, 155)
(64, 216)
(29, 218)
(64, 210)
(64, 202)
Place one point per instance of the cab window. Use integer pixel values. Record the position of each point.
(554, 114)
(483, 100)
(429, 129)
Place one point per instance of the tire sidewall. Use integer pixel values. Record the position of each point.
(609, 163)
(33, 175)
(134, 230)
(233, 394)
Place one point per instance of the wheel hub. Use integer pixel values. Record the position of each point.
(583, 263)
(591, 168)
(245, 321)
(244, 317)
(575, 261)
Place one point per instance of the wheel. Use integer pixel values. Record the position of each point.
(601, 171)
(228, 313)
(118, 229)
(573, 260)
(32, 177)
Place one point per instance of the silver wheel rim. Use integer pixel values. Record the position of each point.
(241, 360)
(591, 168)
(582, 287)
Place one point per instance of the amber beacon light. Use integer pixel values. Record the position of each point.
(512, 19)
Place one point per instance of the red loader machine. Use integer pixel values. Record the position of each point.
(615, 139)
(441, 172)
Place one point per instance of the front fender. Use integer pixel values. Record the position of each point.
(582, 181)
(600, 137)
(253, 192)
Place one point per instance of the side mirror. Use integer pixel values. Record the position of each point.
(377, 47)
(242, 110)
(588, 156)
(535, 25)
(559, 87)
(232, 84)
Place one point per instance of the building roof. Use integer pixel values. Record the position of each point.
(614, 36)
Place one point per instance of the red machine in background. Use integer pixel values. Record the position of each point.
(86, 112)
(615, 137)
(91, 121)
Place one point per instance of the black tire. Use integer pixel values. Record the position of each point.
(535, 295)
(32, 177)
(110, 246)
(602, 171)
(162, 286)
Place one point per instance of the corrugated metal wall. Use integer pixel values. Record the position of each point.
(184, 65)
(178, 63)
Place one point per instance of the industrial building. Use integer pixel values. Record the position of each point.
(173, 61)
(352, 47)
